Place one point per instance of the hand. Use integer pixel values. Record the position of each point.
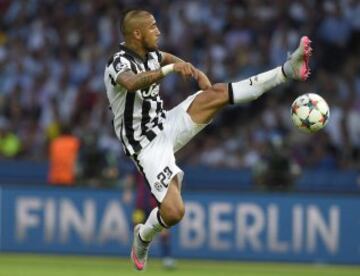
(186, 69)
(202, 80)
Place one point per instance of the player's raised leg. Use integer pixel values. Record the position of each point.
(207, 104)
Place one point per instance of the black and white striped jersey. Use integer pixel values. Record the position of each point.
(139, 115)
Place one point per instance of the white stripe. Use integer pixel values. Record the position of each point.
(126, 142)
(137, 115)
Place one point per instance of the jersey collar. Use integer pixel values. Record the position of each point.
(132, 53)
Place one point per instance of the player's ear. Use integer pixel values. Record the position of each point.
(137, 34)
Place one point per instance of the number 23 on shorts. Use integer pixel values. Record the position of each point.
(164, 175)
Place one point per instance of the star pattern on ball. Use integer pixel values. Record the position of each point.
(324, 117)
(305, 122)
(294, 108)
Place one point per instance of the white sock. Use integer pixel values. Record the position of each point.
(250, 89)
(153, 225)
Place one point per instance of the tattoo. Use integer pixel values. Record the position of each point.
(134, 82)
(169, 58)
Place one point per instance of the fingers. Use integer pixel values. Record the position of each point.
(195, 72)
(187, 70)
(203, 81)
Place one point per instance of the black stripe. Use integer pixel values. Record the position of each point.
(146, 65)
(123, 142)
(155, 121)
(143, 241)
(283, 71)
(110, 60)
(158, 56)
(158, 106)
(145, 118)
(136, 159)
(231, 93)
(132, 62)
(150, 135)
(160, 220)
(159, 109)
(115, 63)
(112, 81)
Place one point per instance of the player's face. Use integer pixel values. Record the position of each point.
(151, 34)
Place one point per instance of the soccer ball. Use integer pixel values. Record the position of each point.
(310, 112)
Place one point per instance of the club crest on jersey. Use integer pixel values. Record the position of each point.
(119, 66)
(158, 186)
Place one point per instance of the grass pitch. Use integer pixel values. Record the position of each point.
(54, 265)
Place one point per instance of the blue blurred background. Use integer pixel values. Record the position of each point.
(52, 58)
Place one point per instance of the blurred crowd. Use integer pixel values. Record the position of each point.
(53, 53)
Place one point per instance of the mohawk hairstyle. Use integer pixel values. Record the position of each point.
(128, 14)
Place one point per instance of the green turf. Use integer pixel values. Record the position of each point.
(45, 265)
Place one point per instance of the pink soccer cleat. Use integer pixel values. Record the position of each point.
(297, 65)
(139, 251)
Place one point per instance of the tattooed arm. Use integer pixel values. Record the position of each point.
(167, 58)
(133, 82)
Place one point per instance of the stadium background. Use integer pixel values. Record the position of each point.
(302, 191)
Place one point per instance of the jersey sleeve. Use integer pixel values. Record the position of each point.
(119, 65)
(159, 56)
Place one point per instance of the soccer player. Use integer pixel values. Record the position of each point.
(150, 135)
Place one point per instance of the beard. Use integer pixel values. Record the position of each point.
(150, 47)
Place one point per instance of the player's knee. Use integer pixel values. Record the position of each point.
(177, 215)
(174, 215)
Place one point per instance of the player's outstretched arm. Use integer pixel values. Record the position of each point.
(133, 82)
(167, 58)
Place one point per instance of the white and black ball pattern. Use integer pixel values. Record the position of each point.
(310, 112)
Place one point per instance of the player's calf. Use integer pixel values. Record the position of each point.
(172, 208)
